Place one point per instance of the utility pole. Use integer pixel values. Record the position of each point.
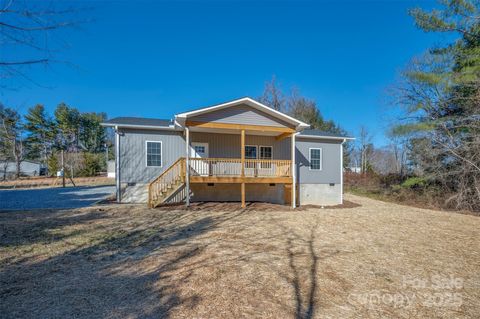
(63, 170)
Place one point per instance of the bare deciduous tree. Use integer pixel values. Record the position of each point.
(273, 96)
(30, 35)
(11, 131)
(365, 148)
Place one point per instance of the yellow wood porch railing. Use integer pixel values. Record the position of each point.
(233, 167)
(173, 178)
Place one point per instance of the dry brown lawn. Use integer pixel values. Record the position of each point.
(371, 260)
(42, 181)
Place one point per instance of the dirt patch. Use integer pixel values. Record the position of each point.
(218, 261)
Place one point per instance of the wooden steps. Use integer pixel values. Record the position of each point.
(167, 184)
(163, 196)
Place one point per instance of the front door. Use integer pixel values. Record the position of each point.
(200, 150)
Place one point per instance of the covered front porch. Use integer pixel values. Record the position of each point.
(239, 154)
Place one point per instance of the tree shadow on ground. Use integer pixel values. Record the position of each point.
(303, 266)
(119, 270)
(133, 262)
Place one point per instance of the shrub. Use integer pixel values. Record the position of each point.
(414, 182)
(53, 165)
(92, 164)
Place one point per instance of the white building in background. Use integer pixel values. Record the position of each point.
(111, 169)
(27, 168)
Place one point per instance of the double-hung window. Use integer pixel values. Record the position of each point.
(316, 159)
(154, 153)
(250, 153)
(266, 153)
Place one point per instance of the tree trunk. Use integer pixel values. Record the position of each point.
(18, 164)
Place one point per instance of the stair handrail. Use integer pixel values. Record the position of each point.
(179, 166)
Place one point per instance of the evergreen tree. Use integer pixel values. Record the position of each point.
(92, 134)
(440, 96)
(41, 133)
(53, 165)
(68, 122)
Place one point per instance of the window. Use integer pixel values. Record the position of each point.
(199, 149)
(266, 153)
(250, 152)
(316, 159)
(154, 153)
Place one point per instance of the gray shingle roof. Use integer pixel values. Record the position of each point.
(312, 132)
(140, 121)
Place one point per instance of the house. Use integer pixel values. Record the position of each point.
(27, 168)
(235, 151)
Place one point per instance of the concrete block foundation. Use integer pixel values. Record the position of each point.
(320, 194)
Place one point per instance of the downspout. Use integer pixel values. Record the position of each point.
(117, 165)
(341, 171)
(187, 166)
(294, 172)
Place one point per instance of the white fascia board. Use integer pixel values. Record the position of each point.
(150, 127)
(250, 102)
(326, 137)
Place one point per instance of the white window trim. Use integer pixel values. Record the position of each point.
(259, 152)
(310, 158)
(204, 144)
(146, 153)
(256, 153)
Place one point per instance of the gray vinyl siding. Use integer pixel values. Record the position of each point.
(133, 153)
(331, 165)
(242, 114)
(229, 145)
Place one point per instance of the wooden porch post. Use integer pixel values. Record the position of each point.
(187, 166)
(242, 152)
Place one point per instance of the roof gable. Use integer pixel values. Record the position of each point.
(265, 110)
(241, 114)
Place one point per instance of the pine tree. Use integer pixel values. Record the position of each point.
(440, 96)
(68, 121)
(92, 134)
(41, 133)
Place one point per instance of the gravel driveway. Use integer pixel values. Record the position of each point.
(70, 197)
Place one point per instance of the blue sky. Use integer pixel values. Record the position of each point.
(157, 58)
